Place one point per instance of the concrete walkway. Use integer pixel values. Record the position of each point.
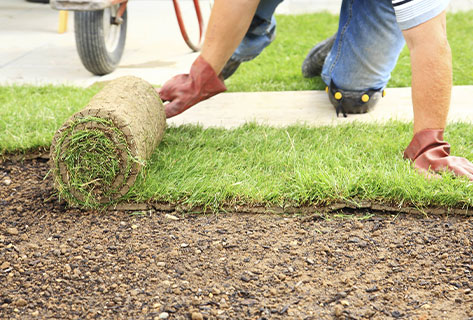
(230, 110)
(31, 50)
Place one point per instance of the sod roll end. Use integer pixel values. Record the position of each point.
(98, 153)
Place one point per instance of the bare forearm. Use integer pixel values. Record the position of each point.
(431, 64)
(227, 26)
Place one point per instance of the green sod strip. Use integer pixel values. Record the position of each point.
(297, 166)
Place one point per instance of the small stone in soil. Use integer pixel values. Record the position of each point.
(7, 182)
(338, 310)
(163, 315)
(197, 316)
(12, 231)
(21, 302)
(396, 314)
(171, 217)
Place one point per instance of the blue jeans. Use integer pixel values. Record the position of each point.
(261, 33)
(365, 51)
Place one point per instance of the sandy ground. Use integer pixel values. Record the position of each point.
(64, 263)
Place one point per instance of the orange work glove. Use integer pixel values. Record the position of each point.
(185, 90)
(428, 151)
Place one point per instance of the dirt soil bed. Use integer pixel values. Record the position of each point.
(65, 263)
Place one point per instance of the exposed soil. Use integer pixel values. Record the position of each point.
(65, 263)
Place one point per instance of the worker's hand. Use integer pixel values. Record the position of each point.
(185, 90)
(428, 151)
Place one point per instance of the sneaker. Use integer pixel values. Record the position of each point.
(314, 62)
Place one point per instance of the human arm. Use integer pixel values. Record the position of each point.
(431, 64)
(227, 26)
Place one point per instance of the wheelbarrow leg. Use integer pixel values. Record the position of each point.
(62, 21)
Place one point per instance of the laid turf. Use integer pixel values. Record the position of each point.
(257, 164)
(297, 166)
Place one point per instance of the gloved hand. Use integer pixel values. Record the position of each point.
(428, 151)
(185, 90)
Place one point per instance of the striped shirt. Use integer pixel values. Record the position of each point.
(411, 13)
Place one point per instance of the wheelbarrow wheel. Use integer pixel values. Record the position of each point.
(99, 40)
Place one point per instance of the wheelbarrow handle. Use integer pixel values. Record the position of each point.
(182, 27)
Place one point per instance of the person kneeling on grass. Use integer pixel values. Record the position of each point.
(357, 66)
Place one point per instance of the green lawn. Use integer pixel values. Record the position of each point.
(278, 68)
(261, 165)
(29, 116)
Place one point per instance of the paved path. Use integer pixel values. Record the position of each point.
(31, 50)
(230, 110)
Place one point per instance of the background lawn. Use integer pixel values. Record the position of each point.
(261, 165)
(278, 68)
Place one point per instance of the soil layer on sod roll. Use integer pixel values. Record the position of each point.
(98, 153)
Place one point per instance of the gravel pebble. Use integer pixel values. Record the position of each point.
(197, 316)
(163, 315)
(21, 302)
(338, 310)
(12, 231)
(171, 217)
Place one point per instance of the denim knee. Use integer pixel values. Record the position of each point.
(367, 47)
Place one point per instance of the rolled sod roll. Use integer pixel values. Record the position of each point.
(98, 153)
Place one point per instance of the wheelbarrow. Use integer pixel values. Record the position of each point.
(100, 30)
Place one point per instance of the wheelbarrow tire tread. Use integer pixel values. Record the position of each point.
(90, 42)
